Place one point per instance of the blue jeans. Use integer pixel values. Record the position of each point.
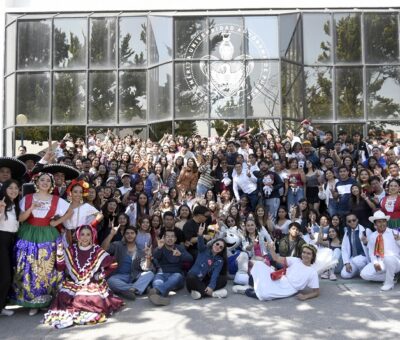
(165, 282)
(201, 190)
(293, 198)
(123, 282)
(253, 198)
(272, 205)
(332, 207)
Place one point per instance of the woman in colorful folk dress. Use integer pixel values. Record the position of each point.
(35, 277)
(84, 296)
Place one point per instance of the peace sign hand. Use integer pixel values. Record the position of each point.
(396, 235)
(160, 242)
(202, 227)
(2, 205)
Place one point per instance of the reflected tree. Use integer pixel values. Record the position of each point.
(186, 128)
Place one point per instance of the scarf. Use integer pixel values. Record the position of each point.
(379, 246)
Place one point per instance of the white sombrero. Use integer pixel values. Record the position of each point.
(379, 215)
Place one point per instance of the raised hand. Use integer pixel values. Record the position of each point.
(202, 227)
(160, 242)
(2, 205)
(396, 236)
(176, 252)
(114, 230)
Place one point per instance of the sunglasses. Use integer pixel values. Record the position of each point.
(219, 245)
(350, 221)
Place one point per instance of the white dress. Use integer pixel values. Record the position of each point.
(84, 214)
(44, 207)
(298, 276)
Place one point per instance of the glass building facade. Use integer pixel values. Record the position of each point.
(150, 74)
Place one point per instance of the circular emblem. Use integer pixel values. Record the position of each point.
(234, 68)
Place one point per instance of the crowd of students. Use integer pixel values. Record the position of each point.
(93, 222)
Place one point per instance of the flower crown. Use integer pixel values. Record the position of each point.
(84, 185)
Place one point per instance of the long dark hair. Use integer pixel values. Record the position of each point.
(9, 203)
(223, 254)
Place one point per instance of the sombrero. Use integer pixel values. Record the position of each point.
(69, 171)
(17, 167)
(29, 156)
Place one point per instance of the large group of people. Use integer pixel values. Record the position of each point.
(91, 223)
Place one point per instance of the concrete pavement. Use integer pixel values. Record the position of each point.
(346, 309)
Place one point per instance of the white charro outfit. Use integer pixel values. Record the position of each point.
(357, 262)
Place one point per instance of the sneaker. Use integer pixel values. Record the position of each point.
(325, 275)
(7, 312)
(239, 289)
(159, 300)
(195, 295)
(128, 294)
(220, 293)
(250, 292)
(153, 291)
(387, 286)
(332, 276)
(33, 311)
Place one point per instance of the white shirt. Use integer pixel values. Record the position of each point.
(301, 276)
(346, 249)
(42, 211)
(245, 183)
(391, 246)
(10, 224)
(124, 190)
(85, 214)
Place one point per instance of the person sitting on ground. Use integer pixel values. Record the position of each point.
(168, 258)
(300, 274)
(133, 274)
(207, 277)
(292, 243)
(384, 251)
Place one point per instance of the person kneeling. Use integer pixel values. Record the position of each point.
(133, 274)
(168, 259)
(208, 276)
(299, 274)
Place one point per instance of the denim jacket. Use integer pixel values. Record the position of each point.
(207, 263)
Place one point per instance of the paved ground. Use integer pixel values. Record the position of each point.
(346, 309)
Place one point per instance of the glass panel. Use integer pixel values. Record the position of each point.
(9, 95)
(287, 25)
(69, 101)
(262, 89)
(10, 48)
(317, 38)
(34, 138)
(160, 39)
(33, 94)
(11, 17)
(59, 132)
(157, 131)
(226, 38)
(347, 37)
(132, 42)
(227, 88)
(381, 37)
(9, 142)
(160, 92)
(292, 91)
(383, 130)
(289, 125)
(191, 38)
(191, 89)
(350, 128)
(263, 125)
(258, 43)
(34, 44)
(189, 128)
(132, 97)
(70, 43)
(383, 88)
(318, 92)
(137, 131)
(102, 42)
(220, 126)
(349, 93)
(102, 93)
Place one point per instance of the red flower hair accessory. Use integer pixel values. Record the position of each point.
(84, 185)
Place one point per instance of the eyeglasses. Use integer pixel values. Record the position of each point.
(350, 221)
(219, 245)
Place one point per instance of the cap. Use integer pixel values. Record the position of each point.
(109, 179)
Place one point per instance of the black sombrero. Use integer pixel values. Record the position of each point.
(69, 171)
(29, 156)
(17, 167)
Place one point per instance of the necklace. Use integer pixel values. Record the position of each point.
(88, 261)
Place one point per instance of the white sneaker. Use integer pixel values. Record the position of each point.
(325, 275)
(387, 286)
(7, 312)
(220, 293)
(239, 289)
(33, 311)
(332, 276)
(195, 295)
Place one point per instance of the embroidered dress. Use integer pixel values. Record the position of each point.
(36, 278)
(84, 296)
(391, 206)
